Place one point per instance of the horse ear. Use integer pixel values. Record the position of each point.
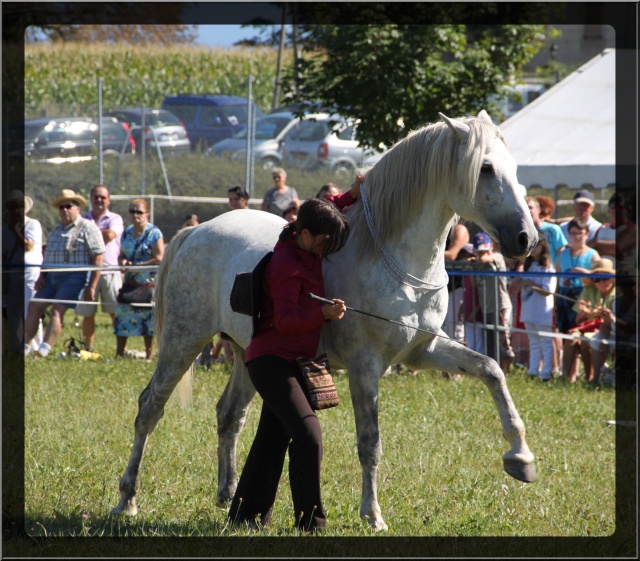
(461, 130)
(484, 116)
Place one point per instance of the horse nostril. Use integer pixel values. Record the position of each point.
(523, 241)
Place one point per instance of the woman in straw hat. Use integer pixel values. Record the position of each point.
(77, 242)
(597, 294)
(21, 248)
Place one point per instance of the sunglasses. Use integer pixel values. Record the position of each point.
(131, 211)
(100, 198)
(600, 280)
(66, 206)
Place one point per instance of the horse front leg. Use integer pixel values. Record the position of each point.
(169, 371)
(450, 356)
(231, 410)
(363, 382)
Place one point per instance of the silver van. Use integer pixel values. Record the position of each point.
(267, 147)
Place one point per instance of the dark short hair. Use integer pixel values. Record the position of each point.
(239, 191)
(325, 188)
(99, 187)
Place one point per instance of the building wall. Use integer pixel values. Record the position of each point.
(577, 45)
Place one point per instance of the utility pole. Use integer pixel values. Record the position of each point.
(276, 92)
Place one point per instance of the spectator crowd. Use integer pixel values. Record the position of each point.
(558, 313)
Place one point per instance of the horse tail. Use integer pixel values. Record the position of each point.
(183, 388)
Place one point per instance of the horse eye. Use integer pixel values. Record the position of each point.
(486, 168)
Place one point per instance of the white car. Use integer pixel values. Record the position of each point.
(325, 140)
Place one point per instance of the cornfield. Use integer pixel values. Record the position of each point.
(64, 77)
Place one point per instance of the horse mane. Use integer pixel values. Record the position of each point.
(426, 163)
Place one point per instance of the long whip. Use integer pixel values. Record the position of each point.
(544, 292)
(320, 299)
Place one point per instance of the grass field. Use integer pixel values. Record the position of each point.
(440, 476)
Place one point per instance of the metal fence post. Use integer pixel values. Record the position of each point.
(100, 156)
(142, 156)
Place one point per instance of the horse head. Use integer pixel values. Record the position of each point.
(494, 198)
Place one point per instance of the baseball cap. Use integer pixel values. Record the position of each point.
(481, 242)
(583, 196)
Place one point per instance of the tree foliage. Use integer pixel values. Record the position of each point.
(114, 34)
(397, 77)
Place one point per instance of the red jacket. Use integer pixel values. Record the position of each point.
(291, 322)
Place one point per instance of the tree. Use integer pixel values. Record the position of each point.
(129, 34)
(397, 77)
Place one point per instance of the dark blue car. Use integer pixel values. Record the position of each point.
(209, 118)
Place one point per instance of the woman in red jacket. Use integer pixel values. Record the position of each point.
(290, 327)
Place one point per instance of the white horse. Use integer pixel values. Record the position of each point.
(391, 266)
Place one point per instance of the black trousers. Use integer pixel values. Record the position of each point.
(287, 422)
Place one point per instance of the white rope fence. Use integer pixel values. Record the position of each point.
(456, 270)
(79, 269)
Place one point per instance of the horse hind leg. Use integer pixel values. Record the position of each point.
(172, 364)
(231, 409)
(450, 356)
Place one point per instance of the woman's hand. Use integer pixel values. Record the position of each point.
(608, 316)
(334, 311)
(584, 306)
(355, 186)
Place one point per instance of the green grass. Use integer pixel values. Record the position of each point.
(440, 476)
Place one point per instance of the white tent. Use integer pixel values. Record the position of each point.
(567, 135)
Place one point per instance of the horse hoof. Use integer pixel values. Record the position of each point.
(377, 524)
(521, 471)
(223, 501)
(130, 508)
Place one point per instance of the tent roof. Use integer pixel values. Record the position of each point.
(567, 135)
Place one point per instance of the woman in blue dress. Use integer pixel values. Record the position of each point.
(142, 243)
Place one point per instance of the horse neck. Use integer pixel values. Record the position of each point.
(421, 245)
(418, 247)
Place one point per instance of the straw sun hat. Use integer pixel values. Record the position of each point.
(66, 196)
(604, 266)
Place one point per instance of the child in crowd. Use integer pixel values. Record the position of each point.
(537, 308)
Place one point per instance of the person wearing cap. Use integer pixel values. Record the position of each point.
(111, 226)
(74, 241)
(22, 248)
(583, 205)
(497, 312)
(597, 294)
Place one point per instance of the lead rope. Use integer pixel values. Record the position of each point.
(390, 263)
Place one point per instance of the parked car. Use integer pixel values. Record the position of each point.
(210, 118)
(161, 129)
(74, 139)
(267, 148)
(324, 140)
